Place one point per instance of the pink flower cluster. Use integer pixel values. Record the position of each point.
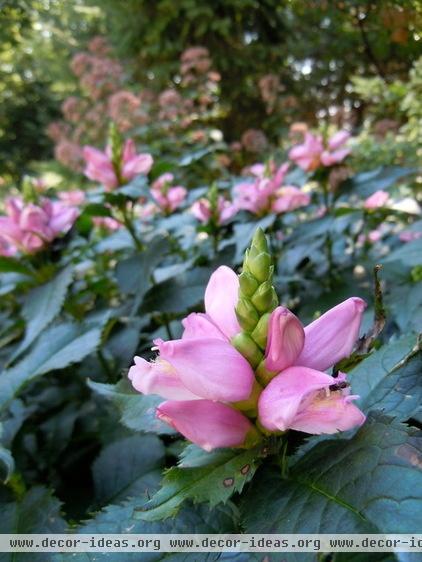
(168, 197)
(28, 228)
(202, 377)
(314, 153)
(203, 210)
(267, 194)
(99, 165)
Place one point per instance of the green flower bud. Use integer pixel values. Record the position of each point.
(250, 405)
(259, 266)
(247, 314)
(264, 297)
(248, 348)
(248, 283)
(263, 375)
(259, 335)
(259, 241)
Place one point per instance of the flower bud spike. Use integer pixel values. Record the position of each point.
(257, 298)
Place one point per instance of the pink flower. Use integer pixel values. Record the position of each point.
(99, 165)
(409, 236)
(299, 397)
(266, 193)
(312, 153)
(203, 211)
(206, 423)
(202, 373)
(168, 197)
(376, 200)
(72, 198)
(108, 223)
(29, 228)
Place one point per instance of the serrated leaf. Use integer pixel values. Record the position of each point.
(137, 410)
(42, 305)
(389, 379)
(118, 519)
(368, 484)
(37, 512)
(214, 483)
(58, 347)
(127, 468)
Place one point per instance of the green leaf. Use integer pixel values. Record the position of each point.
(37, 512)
(127, 467)
(409, 254)
(133, 274)
(389, 379)
(195, 155)
(12, 265)
(97, 210)
(58, 347)
(118, 519)
(177, 295)
(7, 460)
(366, 183)
(137, 410)
(368, 484)
(42, 305)
(226, 473)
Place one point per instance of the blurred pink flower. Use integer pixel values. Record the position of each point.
(313, 154)
(203, 211)
(168, 197)
(99, 166)
(28, 227)
(376, 200)
(72, 198)
(409, 236)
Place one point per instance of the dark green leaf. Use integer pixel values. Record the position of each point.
(368, 484)
(226, 474)
(127, 468)
(137, 410)
(41, 306)
(58, 347)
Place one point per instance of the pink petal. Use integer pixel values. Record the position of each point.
(284, 341)
(280, 401)
(376, 200)
(329, 414)
(198, 325)
(207, 424)
(331, 158)
(210, 368)
(140, 164)
(221, 296)
(337, 140)
(332, 336)
(160, 378)
(129, 150)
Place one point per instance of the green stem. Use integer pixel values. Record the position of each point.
(131, 229)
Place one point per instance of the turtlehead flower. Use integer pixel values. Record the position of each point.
(266, 193)
(376, 200)
(202, 375)
(314, 153)
(301, 395)
(203, 211)
(209, 386)
(99, 165)
(72, 198)
(28, 228)
(168, 197)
